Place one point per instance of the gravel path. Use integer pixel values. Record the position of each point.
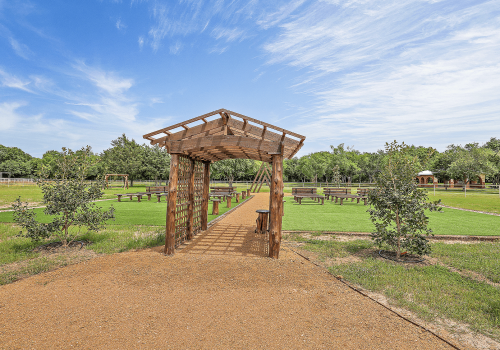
(220, 291)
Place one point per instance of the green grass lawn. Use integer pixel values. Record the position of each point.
(352, 217)
(130, 212)
(429, 291)
(474, 200)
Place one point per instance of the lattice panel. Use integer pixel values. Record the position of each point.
(182, 207)
(198, 195)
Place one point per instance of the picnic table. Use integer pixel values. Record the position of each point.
(307, 192)
(330, 191)
(139, 195)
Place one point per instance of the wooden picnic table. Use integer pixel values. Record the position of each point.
(347, 196)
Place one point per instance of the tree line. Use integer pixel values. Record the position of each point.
(340, 164)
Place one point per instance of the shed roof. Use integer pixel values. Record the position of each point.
(227, 136)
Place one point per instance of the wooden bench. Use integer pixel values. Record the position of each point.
(307, 192)
(363, 191)
(130, 195)
(330, 191)
(156, 189)
(159, 195)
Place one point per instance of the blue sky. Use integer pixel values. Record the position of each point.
(358, 72)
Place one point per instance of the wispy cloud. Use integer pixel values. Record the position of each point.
(141, 42)
(8, 115)
(107, 81)
(120, 25)
(20, 49)
(174, 49)
(228, 34)
(14, 82)
(405, 69)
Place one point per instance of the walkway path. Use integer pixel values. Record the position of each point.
(218, 292)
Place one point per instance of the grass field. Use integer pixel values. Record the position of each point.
(352, 217)
(430, 291)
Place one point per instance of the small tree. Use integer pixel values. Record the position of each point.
(68, 199)
(398, 205)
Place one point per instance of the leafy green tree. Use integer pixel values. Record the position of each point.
(470, 162)
(347, 161)
(68, 199)
(234, 169)
(398, 206)
(15, 161)
(155, 163)
(291, 170)
(313, 166)
(494, 158)
(125, 157)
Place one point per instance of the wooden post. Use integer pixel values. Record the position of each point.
(215, 206)
(237, 197)
(228, 200)
(190, 213)
(206, 190)
(276, 199)
(243, 195)
(171, 206)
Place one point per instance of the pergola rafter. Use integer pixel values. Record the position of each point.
(202, 141)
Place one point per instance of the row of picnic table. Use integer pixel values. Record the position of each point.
(339, 194)
(217, 194)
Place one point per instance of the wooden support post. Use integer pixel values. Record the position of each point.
(190, 213)
(276, 199)
(256, 177)
(215, 206)
(171, 206)
(237, 197)
(206, 190)
(228, 199)
(243, 195)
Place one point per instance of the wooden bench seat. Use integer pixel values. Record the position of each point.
(307, 192)
(329, 191)
(156, 189)
(130, 195)
(347, 196)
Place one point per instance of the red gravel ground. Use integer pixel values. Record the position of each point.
(220, 291)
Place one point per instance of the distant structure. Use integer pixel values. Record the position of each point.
(426, 176)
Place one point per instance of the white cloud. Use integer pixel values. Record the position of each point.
(120, 25)
(8, 115)
(20, 49)
(14, 82)
(141, 42)
(107, 81)
(405, 70)
(227, 34)
(174, 49)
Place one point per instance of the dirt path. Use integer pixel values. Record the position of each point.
(218, 292)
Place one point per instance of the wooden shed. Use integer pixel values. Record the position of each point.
(206, 139)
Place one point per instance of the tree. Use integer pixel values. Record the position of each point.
(123, 158)
(155, 163)
(68, 199)
(470, 162)
(398, 206)
(346, 160)
(313, 166)
(494, 158)
(234, 169)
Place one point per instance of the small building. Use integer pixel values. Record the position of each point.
(426, 179)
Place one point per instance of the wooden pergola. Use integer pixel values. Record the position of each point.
(206, 139)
